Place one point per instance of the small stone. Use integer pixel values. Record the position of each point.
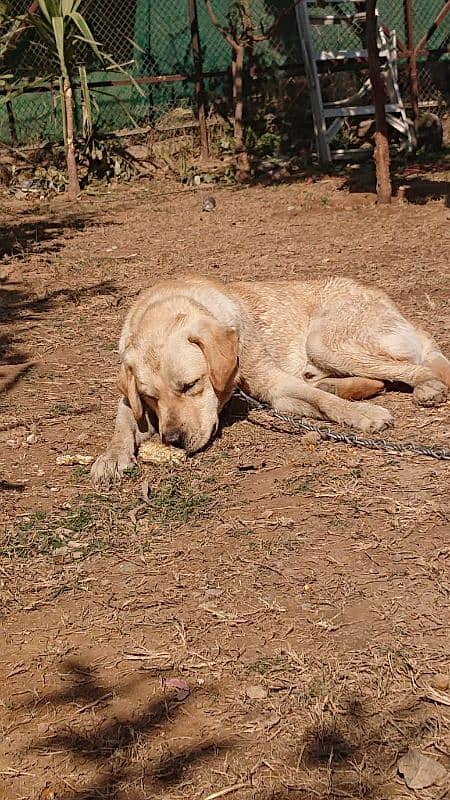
(311, 438)
(256, 692)
(285, 522)
(440, 681)
(63, 533)
(32, 438)
(61, 551)
(209, 203)
(74, 545)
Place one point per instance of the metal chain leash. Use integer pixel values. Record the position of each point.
(432, 451)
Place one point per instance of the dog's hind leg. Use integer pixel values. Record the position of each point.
(351, 388)
(434, 391)
(292, 395)
(399, 354)
(440, 367)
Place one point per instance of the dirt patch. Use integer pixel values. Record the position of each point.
(301, 590)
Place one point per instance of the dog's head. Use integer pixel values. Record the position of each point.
(182, 365)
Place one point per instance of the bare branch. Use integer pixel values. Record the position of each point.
(225, 33)
(263, 37)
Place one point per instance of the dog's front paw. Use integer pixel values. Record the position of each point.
(111, 465)
(430, 393)
(372, 418)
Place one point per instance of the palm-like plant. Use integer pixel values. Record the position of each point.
(61, 27)
(11, 29)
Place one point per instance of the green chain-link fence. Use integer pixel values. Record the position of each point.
(151, 40)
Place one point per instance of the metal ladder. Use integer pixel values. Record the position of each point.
(313, 18)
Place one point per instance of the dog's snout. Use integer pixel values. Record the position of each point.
(173, 437)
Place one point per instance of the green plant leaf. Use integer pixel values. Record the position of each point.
(44, 10)
(16, 91)
(46, 33)
(59, 31)
(85, 31)
(119, 68)
(4, 11)
(49, 9)
(120, 103)
(67, 7)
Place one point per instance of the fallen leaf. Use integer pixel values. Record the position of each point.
(182, 687)
(419, 771)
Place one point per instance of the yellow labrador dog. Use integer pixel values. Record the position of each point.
(306, 348)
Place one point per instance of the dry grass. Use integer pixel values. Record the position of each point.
(301, 590)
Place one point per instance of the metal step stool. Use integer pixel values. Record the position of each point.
(314, 18)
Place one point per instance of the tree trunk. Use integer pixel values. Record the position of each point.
(382, 158)
(238, 100)
(73, 186)
(237, 68)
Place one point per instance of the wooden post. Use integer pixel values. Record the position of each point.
(412, 60)
(382, 158)
(199, 83)
(12, 123)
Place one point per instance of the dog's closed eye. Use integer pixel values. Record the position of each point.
(186, 387)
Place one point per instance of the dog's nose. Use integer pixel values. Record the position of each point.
(174, 438)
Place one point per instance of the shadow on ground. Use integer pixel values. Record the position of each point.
(17, 303)
(17, 306)
(115, 749)
(413, 179)
(20, 237)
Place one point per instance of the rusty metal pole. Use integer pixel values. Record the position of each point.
(412, 60)
(382, 157)
(438, 21)
(199, 82)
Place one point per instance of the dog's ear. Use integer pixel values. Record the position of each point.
(219, 345)
(127, 385)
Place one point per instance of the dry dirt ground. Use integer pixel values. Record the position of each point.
(299, 593)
